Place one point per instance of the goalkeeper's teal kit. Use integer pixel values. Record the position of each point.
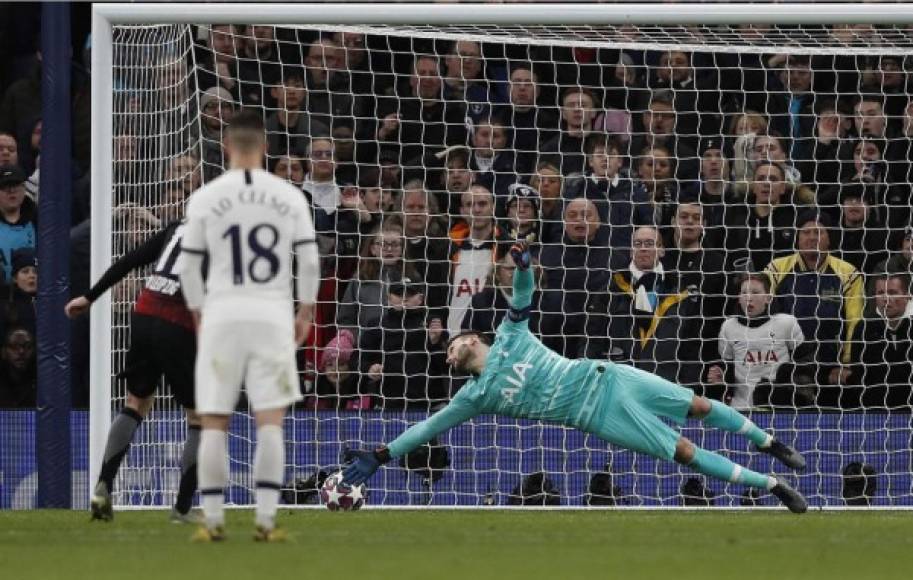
(524, 378)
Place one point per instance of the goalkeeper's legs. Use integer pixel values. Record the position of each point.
(721, 416)
(120, 436)
(717, 466)
(269, 466)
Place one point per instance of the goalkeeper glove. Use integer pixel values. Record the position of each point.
(520, 253)
(362, 465)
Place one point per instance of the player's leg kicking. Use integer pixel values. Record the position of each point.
(632, 414)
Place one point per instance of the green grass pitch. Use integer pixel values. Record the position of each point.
(467, 545)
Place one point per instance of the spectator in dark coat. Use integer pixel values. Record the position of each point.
(573, 269)
(418, 121)
(764, 228)
(620, 205)
(578, 109)
(548, 181)
(17, 370)
(530, 124)
(426, 243)
(641, 318)
(861, 239)
(883, 362)
(492, 163)
(699, 270)
(491, 304)
(18, 310)
(403, 360)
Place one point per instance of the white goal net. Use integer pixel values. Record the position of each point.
(726, 206)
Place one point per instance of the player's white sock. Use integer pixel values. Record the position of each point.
(212, 464)
(269, 464)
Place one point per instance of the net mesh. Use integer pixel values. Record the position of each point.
(408, 142)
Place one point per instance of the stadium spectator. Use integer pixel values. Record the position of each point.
(489, 306)
(656, 183)
(696, 98)
(548, 181)
(523, 213)
(219, 60)
(18, 370)
(418, 121)
(831, 145)
(620, 206)
(338, 380)
(456, 179)
(403, 359)
(290, 127)
(765, 227)
(572, 270)
(789, 102)
(715, 189)
(753, 344)
(473, 251)
(346, 168)
(320, 186)
(773, 148)
(657, 127)
(426, 242)
(9, 149)
(18, 310)
(822, 291)
(259, 66)
(529, 122)
(697, 268)
(884, 347)
(381, 263)
(464, 79)
(492, 163)
(289, 167)
(367, 81)
(578, 109)
(640, 318)
(328, 85)
(861, 239)
(17, 217)
(217, 109)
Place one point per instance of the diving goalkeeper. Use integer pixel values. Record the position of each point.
(518, 376)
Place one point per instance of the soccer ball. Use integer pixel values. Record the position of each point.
(338, 496)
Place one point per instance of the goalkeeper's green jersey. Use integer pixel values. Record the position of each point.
(521, 378)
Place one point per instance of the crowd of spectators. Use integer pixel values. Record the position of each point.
(675, 201)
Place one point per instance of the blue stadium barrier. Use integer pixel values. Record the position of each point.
(488, 458)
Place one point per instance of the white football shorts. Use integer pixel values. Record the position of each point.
(258, 355)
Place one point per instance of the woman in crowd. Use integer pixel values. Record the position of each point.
(380, 263)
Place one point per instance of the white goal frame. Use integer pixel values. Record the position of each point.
(105, 16)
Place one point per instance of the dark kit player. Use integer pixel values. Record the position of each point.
(162, 344)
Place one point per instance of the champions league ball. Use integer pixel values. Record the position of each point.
(338, 496)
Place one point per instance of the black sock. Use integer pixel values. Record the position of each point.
(188, 484)
(123, 428)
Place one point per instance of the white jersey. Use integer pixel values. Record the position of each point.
(249, 223)
(757, 352)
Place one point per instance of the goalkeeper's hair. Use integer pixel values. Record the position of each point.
(484, 338)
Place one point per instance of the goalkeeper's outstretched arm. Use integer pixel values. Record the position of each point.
(365, 463)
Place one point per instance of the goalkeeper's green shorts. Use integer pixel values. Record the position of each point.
(631, 410)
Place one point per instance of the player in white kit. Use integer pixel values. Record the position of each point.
(254, 228)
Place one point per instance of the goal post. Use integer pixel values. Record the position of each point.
(161, 35)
